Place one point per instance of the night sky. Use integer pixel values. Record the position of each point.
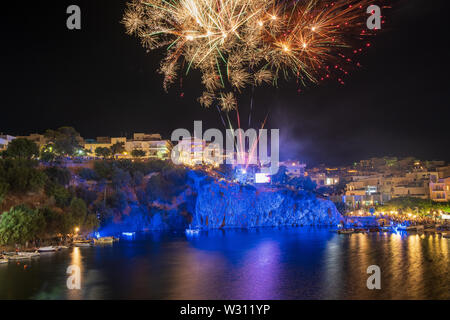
(102, 82)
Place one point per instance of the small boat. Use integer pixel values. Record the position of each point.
(24, 255)
(62, 247)
(104, 240)
(446, 235)
(192, 231)
(415, 228)
(409, 228)
(82, 243)
(3, 260)
(346, 231)
(48, 249)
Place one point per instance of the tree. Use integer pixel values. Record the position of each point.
(103, 169)
(303, 183)
(120, 178)
(3, 190)
(117, 148)
(65, 141)
(58, 175)
(60, 194)
(88, 174)
(47, 154)
(341, 207)
(22, 148)
(21, 175)
(281, 176)
(78, 210)
(103, 152)
(91, 223)
(137, 153)
(20, 225)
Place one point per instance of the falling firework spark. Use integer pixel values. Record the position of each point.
(236, 43)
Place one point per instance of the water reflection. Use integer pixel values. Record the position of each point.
(76, 261)
(287, 263)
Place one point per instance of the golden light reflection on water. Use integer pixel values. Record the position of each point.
(76, 260)
(410, 265)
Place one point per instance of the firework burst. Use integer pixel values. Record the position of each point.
(237, 43)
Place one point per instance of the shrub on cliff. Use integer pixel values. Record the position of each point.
(22, 149)
(57, 221)
(20, 224)
(120, 178)
(21, 175)
(303, 183)
(3, 190)
(58, 175)
(88, 174)
(61, 195)
(103, 169)
(281, 176)
(164, 186)
(89, 196)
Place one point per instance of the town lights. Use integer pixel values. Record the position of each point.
(77, 229)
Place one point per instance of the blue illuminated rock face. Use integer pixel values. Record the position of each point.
(222, 205)
(204, 202)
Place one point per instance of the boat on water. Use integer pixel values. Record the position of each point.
(104, 240)
(82, 243)
(48, 249)
(23, 255)
(410, 228)
(346, 231)
(446, 235)
(192, 231)
(3, 260)
(62, 247)
(415, 228)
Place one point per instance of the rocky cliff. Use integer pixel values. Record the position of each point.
(205, 202)
(220, 204)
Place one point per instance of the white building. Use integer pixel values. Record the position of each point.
(295, 169)
(4, 141)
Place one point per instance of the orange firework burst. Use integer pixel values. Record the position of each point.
(236, 43)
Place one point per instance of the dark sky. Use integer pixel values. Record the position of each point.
(102, 82)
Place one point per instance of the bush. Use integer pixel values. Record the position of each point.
(91, 223)
(103, 169)
(61, 176)
(117, 200)
(120, 178)
(21, 175)
(138, 178)
(61, 195)
(87, 195)
(88, 174)
(78, 210)
(22, 148)
(56, 221)
(170, 183)
(3, 190)
(303, 183)
(20, 224)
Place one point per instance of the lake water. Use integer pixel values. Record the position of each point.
(294, 263)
